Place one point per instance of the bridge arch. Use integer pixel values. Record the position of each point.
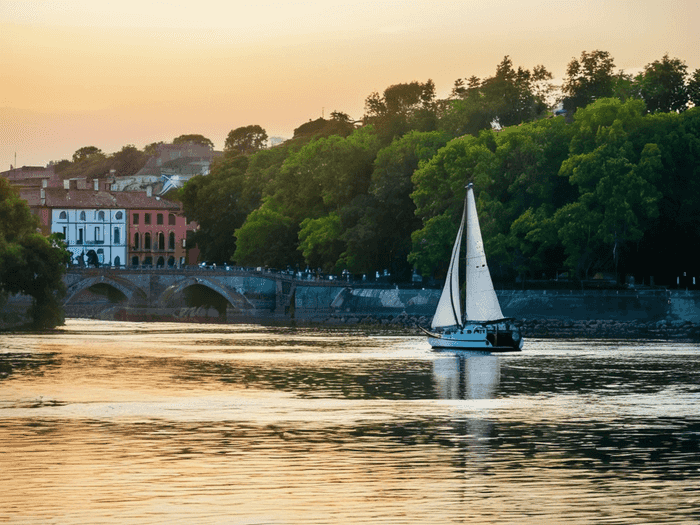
(234, 298)
(132, 293)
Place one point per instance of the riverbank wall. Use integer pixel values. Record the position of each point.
(630, 313)
(624, 313)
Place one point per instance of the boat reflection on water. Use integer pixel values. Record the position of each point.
(466, 375)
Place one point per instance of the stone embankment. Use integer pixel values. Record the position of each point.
(544, 328)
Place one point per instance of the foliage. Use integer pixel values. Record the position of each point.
(509, 97)
(663, 85)
(217, 203)
(246, 140)
(400, 108)
(194, 138)
(265, 238)
(30, 263)
(588, 79)
(320, 241)
(85, 153)
(612, 187)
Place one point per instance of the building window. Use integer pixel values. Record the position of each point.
(171, 261)
(171, 241)
(80, 236)
(159, 218)
(147, 241)
(97, 233)
(136, 218)
(171, 219)
(147, 218)
(101, 216)
(135, 261)
(62, 216)
(117, 261)
(136, 241)
(117, 240)
(82, 215)
(118, 216)
(161, 241)
(65, 231)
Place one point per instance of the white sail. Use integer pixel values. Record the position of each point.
(449, 311)
(481, 302)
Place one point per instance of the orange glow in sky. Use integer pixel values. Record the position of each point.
(80, 73)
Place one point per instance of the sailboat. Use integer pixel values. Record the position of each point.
(483, 326)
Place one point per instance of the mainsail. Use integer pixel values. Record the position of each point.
(481, 303)
(449, 311)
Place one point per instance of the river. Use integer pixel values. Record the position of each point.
(138, 423)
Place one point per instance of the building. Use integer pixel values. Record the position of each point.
(157, 233)
(112, 228)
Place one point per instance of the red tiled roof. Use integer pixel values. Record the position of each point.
(60, 198)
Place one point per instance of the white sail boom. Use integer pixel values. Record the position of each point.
(481, 303)
(449, 311)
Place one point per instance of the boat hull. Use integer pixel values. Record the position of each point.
(482, 340)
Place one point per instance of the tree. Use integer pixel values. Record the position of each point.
(30, 263)
(616, 182)
(216, 203)
(515, 96)
(246, 140)
(196, 139)
(400, 108)
(663, 85)
(378, 226)
(694, 88)
(588, 79)
(86, 152)
(267, 238)
(128, 161)
(320, 241)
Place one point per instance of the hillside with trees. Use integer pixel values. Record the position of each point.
(597, 175)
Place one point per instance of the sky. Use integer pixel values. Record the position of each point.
(77, 73)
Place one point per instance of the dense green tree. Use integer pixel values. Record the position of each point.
(320, 241)
(216, 202)
(616, 182)
(30, 263)
(400, 108)
(663, 85)
(378, 226)
(86, 152)
(694, 88)
(509, 97)
(246, 140)
(128, 161)
(515, 96)
(194, 138)
(588, 79)
(267, 238)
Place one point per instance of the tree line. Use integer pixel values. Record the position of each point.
(609, 187)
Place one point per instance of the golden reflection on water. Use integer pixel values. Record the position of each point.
(166, 423)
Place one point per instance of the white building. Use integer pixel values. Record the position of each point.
(93, 235)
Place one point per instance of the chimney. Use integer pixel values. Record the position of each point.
(66, 184)
(149, 191)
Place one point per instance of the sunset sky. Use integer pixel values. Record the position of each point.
(80, 73)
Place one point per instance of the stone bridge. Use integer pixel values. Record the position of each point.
(232, 292)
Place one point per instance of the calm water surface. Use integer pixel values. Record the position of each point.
(128, 423)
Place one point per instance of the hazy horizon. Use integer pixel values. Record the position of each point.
(78, 73)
